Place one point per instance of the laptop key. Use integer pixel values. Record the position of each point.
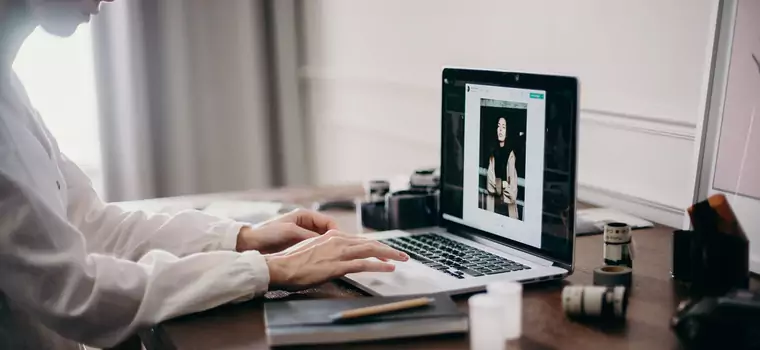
(417, 257)
(470, 272)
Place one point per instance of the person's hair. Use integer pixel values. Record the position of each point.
(495, 138)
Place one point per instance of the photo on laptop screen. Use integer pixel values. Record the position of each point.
(504, 162)
(502, 157)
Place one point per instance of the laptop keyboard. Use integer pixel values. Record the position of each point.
(451, 257)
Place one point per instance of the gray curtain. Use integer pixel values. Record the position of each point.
(198, 96)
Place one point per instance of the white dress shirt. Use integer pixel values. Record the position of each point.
(76, 270)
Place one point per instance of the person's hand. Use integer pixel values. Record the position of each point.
(508, 197)
(307, 219)
(326, 257)
(284, 231)
(491, 185)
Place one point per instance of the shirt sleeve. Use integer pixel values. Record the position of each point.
(100, 299)
(130, 234)
(491, 177)
(512, 173)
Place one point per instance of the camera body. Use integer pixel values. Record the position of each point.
(714, 322)
(414, 207)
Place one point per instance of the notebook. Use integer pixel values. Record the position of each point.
(308, 321)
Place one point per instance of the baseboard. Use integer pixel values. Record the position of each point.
(653, 211)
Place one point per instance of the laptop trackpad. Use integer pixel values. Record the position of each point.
(409, 278)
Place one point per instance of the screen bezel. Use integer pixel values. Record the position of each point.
(519, 80)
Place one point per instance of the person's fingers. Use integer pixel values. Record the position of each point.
(314, 221)
(353, 266)
(372, 249)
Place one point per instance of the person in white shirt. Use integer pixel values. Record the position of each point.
(75, 270)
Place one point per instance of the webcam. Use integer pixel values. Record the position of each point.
(517, 77)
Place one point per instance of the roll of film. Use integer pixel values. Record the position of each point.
(606, 302)
(617, 244)
(376, 190)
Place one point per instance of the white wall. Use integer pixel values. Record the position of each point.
(371, 73)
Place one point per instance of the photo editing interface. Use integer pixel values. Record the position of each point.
(506, 155)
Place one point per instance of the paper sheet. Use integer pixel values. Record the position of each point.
(592, 220)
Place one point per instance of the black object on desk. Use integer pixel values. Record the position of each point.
(407, 209)
(718, 250)
(681, 265)
(713, 260)
(339, 204)
(731, 322)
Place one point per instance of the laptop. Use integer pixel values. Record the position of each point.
(507, 188)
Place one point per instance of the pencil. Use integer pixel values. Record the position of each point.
(382, 309)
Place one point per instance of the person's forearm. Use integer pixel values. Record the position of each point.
(99, 299)
(111, 230)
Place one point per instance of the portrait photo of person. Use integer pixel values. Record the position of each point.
(502, 157)
(502, 175)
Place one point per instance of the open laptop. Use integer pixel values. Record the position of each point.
(508, 184)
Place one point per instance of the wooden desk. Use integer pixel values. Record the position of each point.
(652, 303)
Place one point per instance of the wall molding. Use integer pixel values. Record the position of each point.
(658, 212)
(653, 125)
(644, 124)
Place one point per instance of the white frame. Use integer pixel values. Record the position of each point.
(744, 207)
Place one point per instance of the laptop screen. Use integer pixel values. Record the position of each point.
(508, 166)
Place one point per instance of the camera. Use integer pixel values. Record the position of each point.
(517, 77)
(714, 322)
(413, 207)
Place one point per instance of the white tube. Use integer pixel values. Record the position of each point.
(509, 295)
(486, 318)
